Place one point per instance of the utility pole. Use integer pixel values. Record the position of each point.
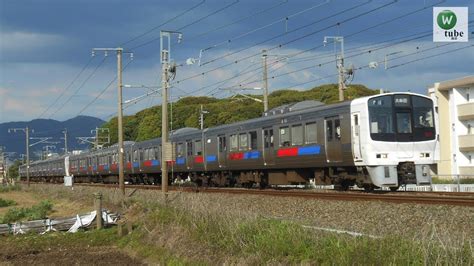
(202, 112)
(120, 151)
(27, 135)
(340, 64)
(265, 80)
(65, 140)
(165, 55)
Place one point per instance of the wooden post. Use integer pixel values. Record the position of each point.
(98, 208)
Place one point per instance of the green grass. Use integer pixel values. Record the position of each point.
(33, 241)
(36, 212)
(6, 202)
(9, 188)
(437, 180)
(275, 241)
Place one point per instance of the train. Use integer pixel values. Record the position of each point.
(384, 140)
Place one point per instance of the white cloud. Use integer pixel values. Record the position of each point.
(14, 42)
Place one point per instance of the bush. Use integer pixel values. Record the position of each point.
(36, 212)
(6, 203)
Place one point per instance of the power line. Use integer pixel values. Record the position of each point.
(80, 87)
(282, 34)
(286, 18)
(103, 91)
(435, 55)
(162, 24)
(237, 21)
(288, 42)
(66, 88)
(187, 25)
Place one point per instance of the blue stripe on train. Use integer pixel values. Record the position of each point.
(251, 155)
(180, 160)
(211, 158)
(309, 150)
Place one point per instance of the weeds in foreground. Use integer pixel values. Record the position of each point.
(6, 202)
(263, 240)
(9, 188)
(39, 211)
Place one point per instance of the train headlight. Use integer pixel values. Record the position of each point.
(424, 155)
(381, 155)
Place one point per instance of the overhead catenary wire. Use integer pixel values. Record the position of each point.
(237, 21)
(80, 87)
(66, 88)
(103, 91)
(188, 25)
(162, 24)
(264, 27)
(288, 42)
(380, 46)
(285, 33)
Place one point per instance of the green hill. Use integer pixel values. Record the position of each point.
(146, 124)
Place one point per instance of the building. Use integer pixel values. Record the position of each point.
(455, 104)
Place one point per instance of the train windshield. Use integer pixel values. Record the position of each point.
(401, 118)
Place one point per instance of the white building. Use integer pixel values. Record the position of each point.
(455, 101)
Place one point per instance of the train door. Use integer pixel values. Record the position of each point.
(268, 146)
(333, 139)
(222, 150)
(189, 154)
(356, 149)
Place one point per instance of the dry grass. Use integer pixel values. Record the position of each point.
(212, 228)
(61, 207)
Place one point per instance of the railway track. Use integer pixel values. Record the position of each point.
(440, 198)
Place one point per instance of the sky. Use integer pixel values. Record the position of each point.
(47, 69)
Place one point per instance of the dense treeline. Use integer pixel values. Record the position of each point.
(146, 124)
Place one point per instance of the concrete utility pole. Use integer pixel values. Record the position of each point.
(265, 80)
(65, 140)
(165, 55)
(120, 151)
(27, 135)
(340, 64)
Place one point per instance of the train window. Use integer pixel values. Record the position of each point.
(311, 133)
(253, 140)
(422, 113)
(198, 147)
(234, 143)
(222, 144)
(284, 137)
(403, 123)
(135, 155)
(243, 141)
(297, 135)
(189, 147)
(329, 130)
(157, 152)
(268, 138)
(180, 149)
(337, 129)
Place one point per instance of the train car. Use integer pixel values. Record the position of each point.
(377, 141)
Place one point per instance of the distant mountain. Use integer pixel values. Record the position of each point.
(79, 126)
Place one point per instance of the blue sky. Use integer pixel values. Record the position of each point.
(44, 44)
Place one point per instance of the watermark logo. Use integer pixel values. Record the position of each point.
(450, 24)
